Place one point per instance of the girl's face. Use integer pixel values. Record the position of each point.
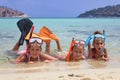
(98, 44)
(34, 50)
(77, 52)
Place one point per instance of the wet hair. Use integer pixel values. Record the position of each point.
(77, 45)
(97, 32)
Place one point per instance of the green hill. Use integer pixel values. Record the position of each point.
(108, 11)
(8, 12)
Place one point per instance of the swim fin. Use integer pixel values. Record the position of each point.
(45, 32)
(24, 26)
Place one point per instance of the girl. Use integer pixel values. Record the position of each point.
(34, 53)
(76, 51)
(98, 51)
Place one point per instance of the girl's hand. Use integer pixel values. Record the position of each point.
(82, 57)
(105, 59)
(30, 62)
(14, 62)
(47, 61)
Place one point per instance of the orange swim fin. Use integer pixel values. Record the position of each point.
(45, 32)
(36, 35)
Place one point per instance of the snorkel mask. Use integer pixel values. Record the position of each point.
(38, 40)
(78, 42)
(95, 37)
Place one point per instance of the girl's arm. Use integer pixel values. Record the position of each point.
(48, 57)
(20, 58)
(62, 57)
(89, 51)
(16, 47)
(105, 57)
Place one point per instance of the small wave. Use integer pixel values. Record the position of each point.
(112, 36)
(79, 32)
(6, 35)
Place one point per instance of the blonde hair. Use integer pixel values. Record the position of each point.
(29, 45)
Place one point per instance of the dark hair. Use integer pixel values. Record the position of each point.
(97, 32)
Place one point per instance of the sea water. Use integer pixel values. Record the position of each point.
(65, 29)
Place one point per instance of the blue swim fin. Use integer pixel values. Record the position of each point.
(24, 26)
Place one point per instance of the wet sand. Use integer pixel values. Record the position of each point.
(88, 74)
(60, 70)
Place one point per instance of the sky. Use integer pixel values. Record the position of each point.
(56, 8)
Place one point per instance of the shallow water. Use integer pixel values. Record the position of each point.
(65, 29)
(8, 67)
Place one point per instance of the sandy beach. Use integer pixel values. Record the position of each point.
(88, 74)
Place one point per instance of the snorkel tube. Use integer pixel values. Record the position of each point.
(87, 42)
(104, 40)
(70, 50)
(104, 35)
(31, 31)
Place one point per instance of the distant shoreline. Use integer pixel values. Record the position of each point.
(108, 11)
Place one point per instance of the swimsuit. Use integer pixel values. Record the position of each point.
(94, 56)
(30, 58)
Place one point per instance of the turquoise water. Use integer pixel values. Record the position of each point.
(65, 29)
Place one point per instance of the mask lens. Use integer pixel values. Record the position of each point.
(38, 40)
(99, 36)
(80, 42)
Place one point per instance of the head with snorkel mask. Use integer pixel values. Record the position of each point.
(35, 47)
(76, 51)
(98, 51)
(98, 41)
